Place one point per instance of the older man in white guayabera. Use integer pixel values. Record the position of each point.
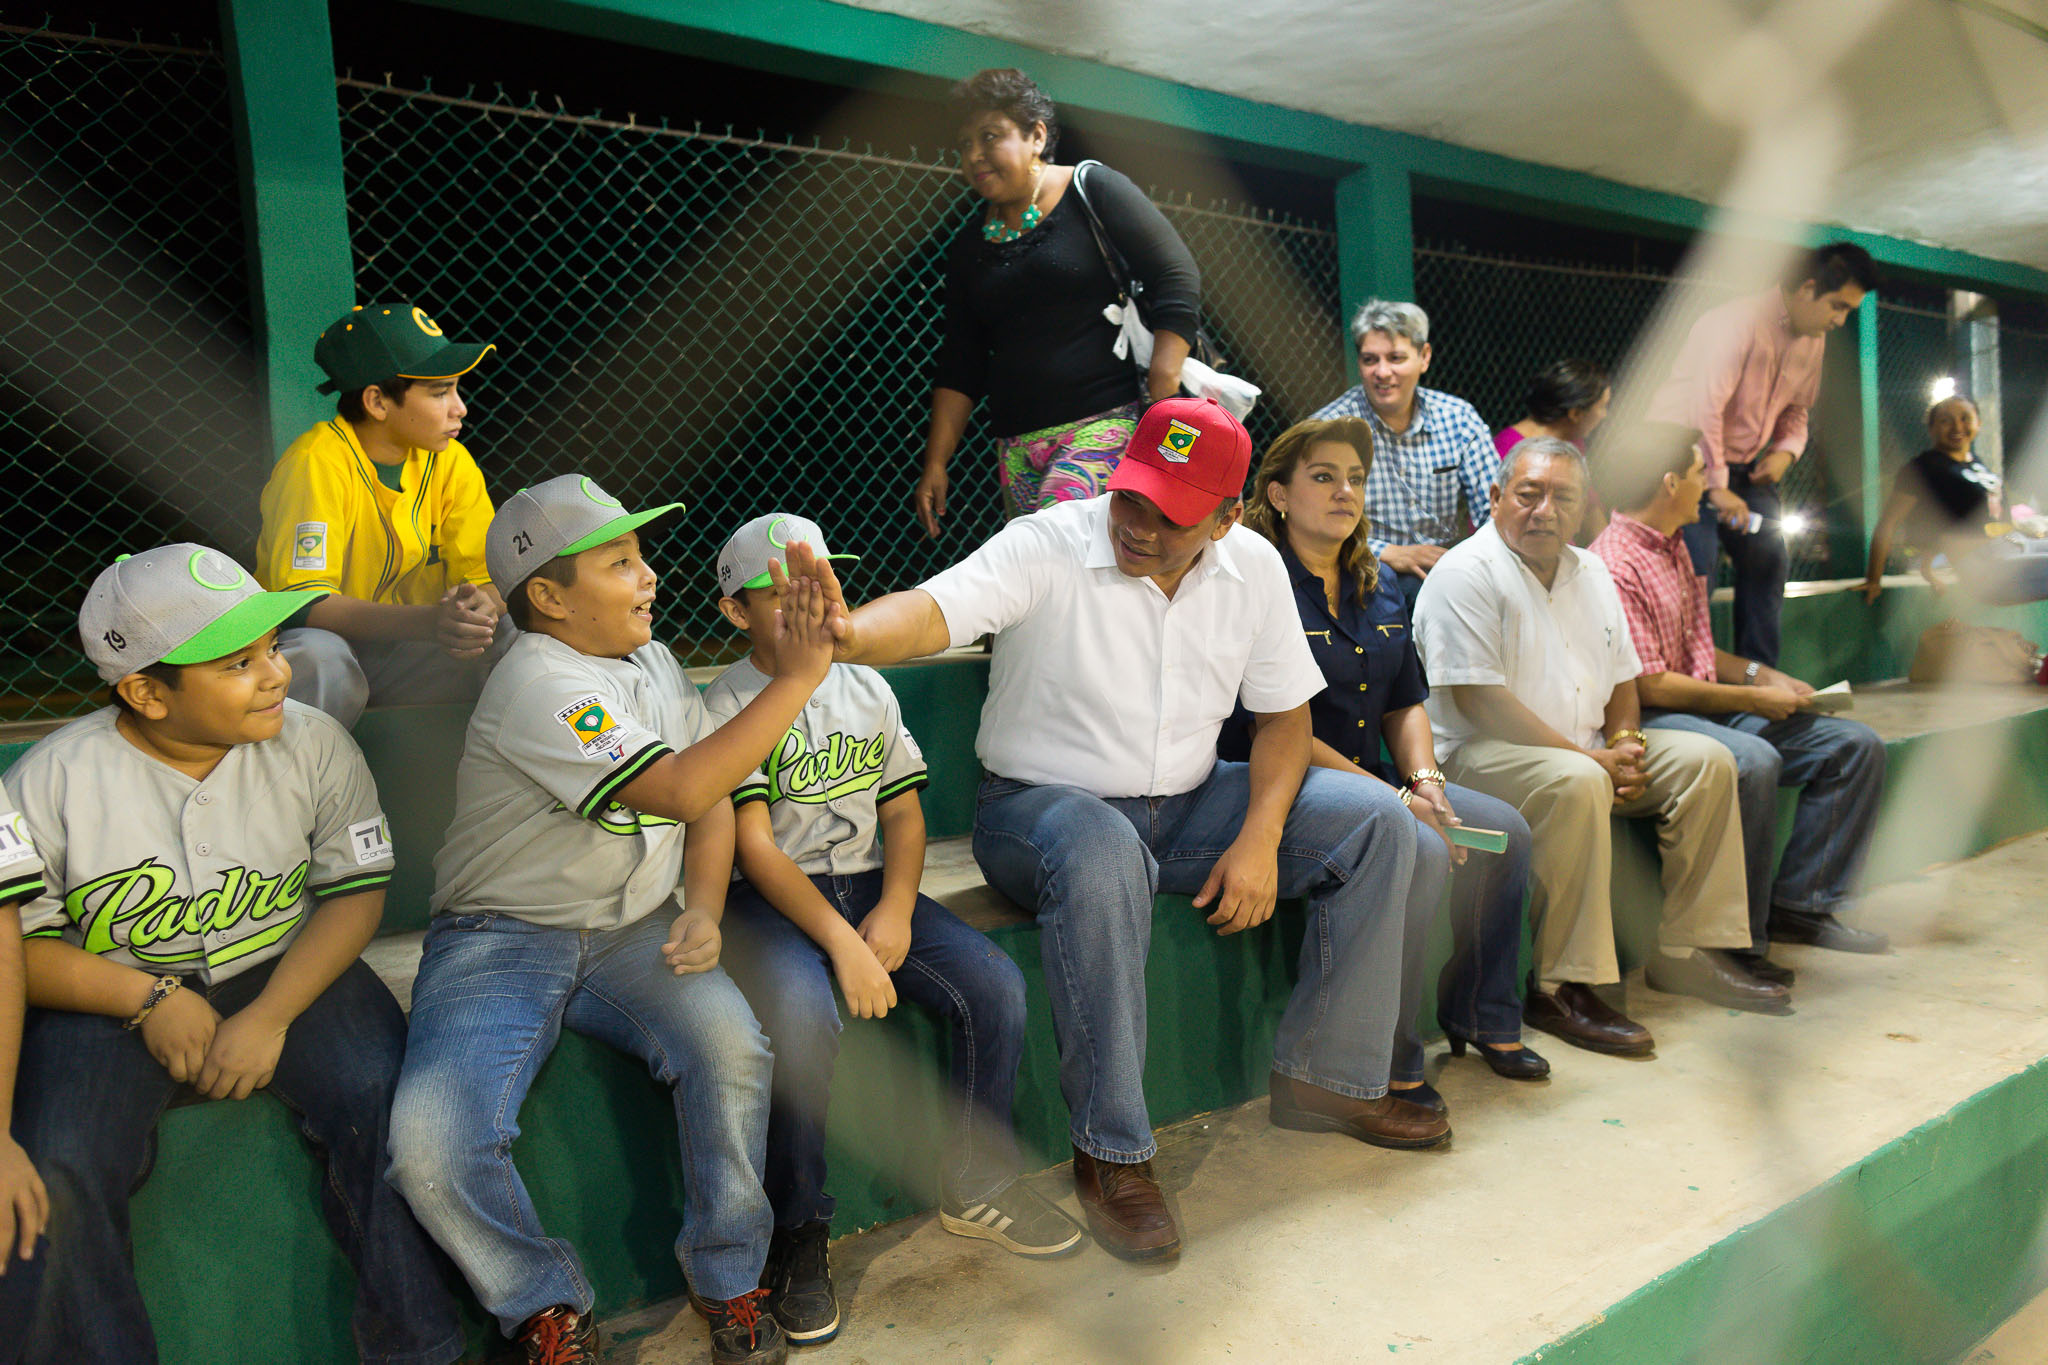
(1533, 700)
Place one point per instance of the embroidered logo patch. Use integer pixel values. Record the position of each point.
(1179, 442)
(593, 727)
(14, 842)
(371, 840)
(309, 545)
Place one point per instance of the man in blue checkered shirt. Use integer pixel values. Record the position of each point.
(1427, 445)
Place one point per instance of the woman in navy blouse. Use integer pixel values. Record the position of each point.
(1308, 498)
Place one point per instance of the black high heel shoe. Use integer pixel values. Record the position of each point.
(1522, 1064)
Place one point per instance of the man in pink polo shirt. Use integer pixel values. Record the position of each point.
(1745, 380)
(1655, 474)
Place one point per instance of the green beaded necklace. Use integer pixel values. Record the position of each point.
(996, 230)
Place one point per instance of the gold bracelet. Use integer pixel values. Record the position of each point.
(1407, 797)
(160, 990)
(1422, 775)
(1637, 735)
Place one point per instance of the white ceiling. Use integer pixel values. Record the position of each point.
(1922, 119)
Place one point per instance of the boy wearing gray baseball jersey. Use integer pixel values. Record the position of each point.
(215, 860)
(593, 789)
(831, 843)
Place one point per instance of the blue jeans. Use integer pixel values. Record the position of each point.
(952, 970)
(1840, 765)
(491, 999)
(1478, 993)
(1090, 867)
(88, 1103)
(1760, 560)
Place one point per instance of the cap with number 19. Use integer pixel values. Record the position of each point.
(177, 604)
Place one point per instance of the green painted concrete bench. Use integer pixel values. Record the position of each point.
(257, 1280)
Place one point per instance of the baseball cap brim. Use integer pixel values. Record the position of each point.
(455, 359)
(767, 576)
(246, 621)
(617, 527)
(1182, 503)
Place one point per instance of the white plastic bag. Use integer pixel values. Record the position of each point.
(1236, 394)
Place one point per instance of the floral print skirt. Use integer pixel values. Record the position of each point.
(1062, 463)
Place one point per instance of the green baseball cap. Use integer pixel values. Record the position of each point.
(385, 340)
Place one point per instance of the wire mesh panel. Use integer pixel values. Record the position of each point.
(2023, 396)
(1495, 321)
(128, 413)
(735, 322)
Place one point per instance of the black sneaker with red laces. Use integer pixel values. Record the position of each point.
(559, 1336)
(742, 1332)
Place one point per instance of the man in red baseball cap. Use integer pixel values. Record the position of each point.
(1187, 456)
(1126, 629)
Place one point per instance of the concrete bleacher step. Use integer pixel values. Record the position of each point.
(1862, 1182)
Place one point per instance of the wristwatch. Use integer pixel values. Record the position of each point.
(1749, 674)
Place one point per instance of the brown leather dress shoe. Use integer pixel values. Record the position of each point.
(1577, 1014)
(1385, 1122)
(1125, 1209)
(1715, 978)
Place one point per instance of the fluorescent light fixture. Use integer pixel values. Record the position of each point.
(1795, 523)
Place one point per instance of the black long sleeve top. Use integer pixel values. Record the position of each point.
(1024, 324)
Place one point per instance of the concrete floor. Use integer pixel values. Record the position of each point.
(1555, 1201)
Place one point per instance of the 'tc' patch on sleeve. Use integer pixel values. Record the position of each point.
(371, 840)
(14, 841)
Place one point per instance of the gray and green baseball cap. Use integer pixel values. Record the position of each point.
(176, 604)
(379, 341)
(743, 563)
(564, 516)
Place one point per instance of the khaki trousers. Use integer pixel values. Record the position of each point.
(1568, 802)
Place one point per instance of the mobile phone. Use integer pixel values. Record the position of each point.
(1485, 840)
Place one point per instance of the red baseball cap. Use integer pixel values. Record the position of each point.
(1187, 456)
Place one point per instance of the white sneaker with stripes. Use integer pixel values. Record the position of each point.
(1017, 1219)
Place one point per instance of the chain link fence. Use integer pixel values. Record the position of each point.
(1495, 321)
(128, 410)
(2023, 397)
(737, 322)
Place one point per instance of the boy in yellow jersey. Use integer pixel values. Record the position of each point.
(382, 509)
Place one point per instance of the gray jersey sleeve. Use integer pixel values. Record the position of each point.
(42, 916)
(722, 701)
(577, 740)
(21, 870)
(903, 766)
(351, 841)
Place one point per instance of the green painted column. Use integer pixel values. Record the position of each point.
(1866, 369)
(1375, 235)
(280, 60)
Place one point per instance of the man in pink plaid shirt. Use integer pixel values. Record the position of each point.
(1761, 714)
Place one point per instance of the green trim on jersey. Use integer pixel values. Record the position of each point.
(753, 791)
(598, 796)
(27, 889)
(348, 886)
(47, 931)
(902, 785)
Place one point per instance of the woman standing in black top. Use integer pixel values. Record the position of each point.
(1944, 498)
(1026, 286)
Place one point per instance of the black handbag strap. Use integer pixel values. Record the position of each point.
(1118, 274)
